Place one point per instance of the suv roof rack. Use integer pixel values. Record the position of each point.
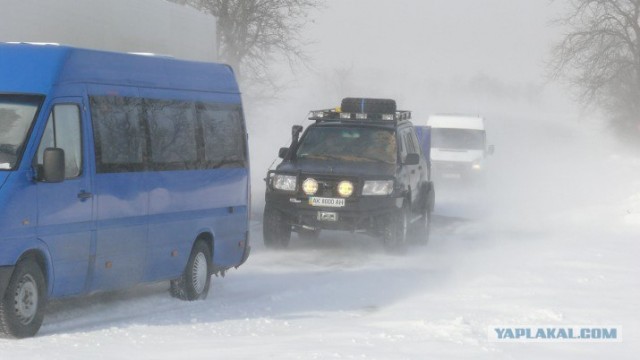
(338, 115)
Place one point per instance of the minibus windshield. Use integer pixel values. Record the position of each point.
(458, 139)
(17, 113)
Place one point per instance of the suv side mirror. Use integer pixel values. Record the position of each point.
(283, 152)
(412, 159)
(53, 165)
(491, 149)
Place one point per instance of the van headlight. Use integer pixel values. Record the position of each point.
(377, 187)
(284, 182)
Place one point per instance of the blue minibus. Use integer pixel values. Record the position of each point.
(115, 170)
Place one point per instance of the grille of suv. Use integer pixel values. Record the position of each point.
(328, 187)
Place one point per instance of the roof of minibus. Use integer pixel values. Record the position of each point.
(35, 68)
(456, 122)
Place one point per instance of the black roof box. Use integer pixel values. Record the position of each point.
(367, 105)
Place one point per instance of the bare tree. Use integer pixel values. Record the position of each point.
(600, 56)
(252, 34)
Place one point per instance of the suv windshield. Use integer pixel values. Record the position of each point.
(16, 116)
(461, 139)
(349, 144)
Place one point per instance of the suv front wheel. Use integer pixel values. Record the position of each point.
(276, 230)
(394, 233)
(422, 226)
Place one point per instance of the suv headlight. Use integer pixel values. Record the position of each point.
(284, 182)
(345, 188)
(377, 187)
(310, 186)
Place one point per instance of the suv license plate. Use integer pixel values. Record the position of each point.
(327, 216)
(328, 202)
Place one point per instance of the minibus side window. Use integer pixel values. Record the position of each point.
(119, 137)
(172, 130)
(63, 131)
(224, 139)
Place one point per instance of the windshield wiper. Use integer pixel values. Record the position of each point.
(8, 149)
(224, 162)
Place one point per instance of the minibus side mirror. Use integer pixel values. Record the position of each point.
(53, 165)
(283, 152)
(412, 159)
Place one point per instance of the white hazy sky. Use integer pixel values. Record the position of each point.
(481, 57)
(432, 56)
(508, 38)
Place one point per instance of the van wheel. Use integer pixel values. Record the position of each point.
(394, 233)
(276, 231)
(195, 281)
(21, 310)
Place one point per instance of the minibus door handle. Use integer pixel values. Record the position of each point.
(83, 195)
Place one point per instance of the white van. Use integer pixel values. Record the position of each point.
(458, 145)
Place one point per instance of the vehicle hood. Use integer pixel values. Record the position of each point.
(346, 168)
(3, 177)
(456, 155)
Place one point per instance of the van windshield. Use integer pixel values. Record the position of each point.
(17, 113)
(458, 139)
(366, 144)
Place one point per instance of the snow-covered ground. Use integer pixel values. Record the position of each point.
(550, 238)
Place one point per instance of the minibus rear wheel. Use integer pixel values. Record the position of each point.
(195, 281)
(21, 310)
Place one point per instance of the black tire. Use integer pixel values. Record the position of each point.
(431, 198)
(423, 229)
(195, 282)
(22, 308)
(422, 226)
(395, 231)
(276, 230)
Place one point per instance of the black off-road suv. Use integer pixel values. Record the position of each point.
(357, 168)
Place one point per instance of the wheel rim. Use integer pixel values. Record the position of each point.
(26, 299)
(199, 278)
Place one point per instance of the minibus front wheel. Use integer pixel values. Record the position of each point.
(195, 281)
(21, 309)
